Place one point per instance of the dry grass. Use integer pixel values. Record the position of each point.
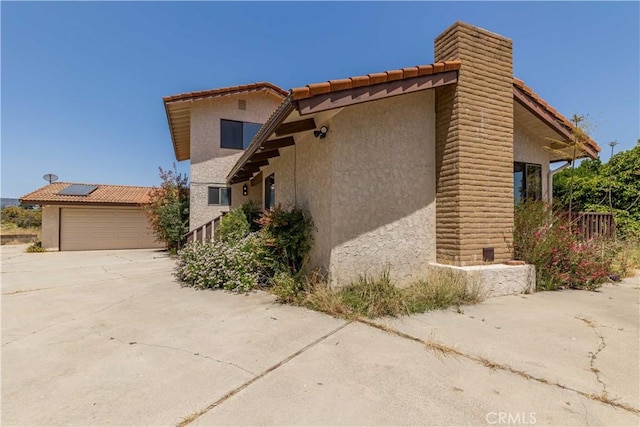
(376, 296)
(625, 257)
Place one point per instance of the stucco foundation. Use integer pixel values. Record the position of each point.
(497, 279)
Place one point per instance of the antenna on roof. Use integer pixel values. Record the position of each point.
(51, 177)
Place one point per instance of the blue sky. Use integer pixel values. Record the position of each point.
(82, 83)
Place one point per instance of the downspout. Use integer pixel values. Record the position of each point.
(550, 179)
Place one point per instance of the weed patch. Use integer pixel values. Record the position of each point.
(374, 296)
(35, 247)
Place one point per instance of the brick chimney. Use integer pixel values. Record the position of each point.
(474, 148)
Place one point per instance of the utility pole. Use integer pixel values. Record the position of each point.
(576, 136)
(611, 144)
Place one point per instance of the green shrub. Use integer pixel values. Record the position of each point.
(168, 209)
(253, 213)
(561, 259)
(218, 264)
(36, 247)
(233, 226)
(286, 240)
(285, 287)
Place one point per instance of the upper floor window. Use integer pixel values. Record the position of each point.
(219, 196)
(527, 182)
(237, 135)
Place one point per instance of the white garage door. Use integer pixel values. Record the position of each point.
(104, 228)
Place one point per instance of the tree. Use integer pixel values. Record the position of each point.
(592, 182)
(168, 211)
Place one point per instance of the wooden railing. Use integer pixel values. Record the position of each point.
(205, 232)
(591, 225)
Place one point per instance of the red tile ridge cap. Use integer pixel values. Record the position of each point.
(335, 85)
(226, 91)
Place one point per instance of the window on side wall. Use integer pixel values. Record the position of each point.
(527, 182)
(237, 135)
(270, 192)
(219, 196)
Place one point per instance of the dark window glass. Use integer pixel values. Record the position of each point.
(225, 196)
(249, 131)
(270, 192)
(527, 182)
(237, 135)
(534, 182)
(219, 196)
(231, 134)
(518, 183)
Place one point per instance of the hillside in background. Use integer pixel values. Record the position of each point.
(5, 201)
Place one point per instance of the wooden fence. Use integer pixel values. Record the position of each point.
(591, 225)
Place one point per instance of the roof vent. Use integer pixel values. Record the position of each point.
(78, 190)
(242, 104)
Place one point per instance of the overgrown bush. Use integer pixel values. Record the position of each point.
(285, 287)
(286, 240)
(253, 213)
(21, 217)
(561, 259)
(168, 210)
(219, 264)
(239, 259)
(233, 227)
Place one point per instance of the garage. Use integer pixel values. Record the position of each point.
(80, 217)
(110, 228)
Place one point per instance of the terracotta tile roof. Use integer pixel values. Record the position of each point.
(314, 89)
(104, 194)
(542, 103)
(225, 91)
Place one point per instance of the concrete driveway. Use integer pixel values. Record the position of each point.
(109, 338)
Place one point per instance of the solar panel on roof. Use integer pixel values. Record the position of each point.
(78, 190)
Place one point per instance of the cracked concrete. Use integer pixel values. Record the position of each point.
(593, 355)
(108, 338)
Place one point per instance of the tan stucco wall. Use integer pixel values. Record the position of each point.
(383, 198)
(370, 188)
(528, 148)
(210, 164)
(51, 227)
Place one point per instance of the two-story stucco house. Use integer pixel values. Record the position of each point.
(405, 168)
(211, 129)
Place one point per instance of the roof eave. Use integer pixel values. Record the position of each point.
(173, 139)
(263, 134)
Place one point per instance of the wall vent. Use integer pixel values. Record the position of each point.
(242, 104)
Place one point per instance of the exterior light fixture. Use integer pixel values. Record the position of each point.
(245, 190)
(321, 133)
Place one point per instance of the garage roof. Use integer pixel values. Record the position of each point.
(102, 195)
